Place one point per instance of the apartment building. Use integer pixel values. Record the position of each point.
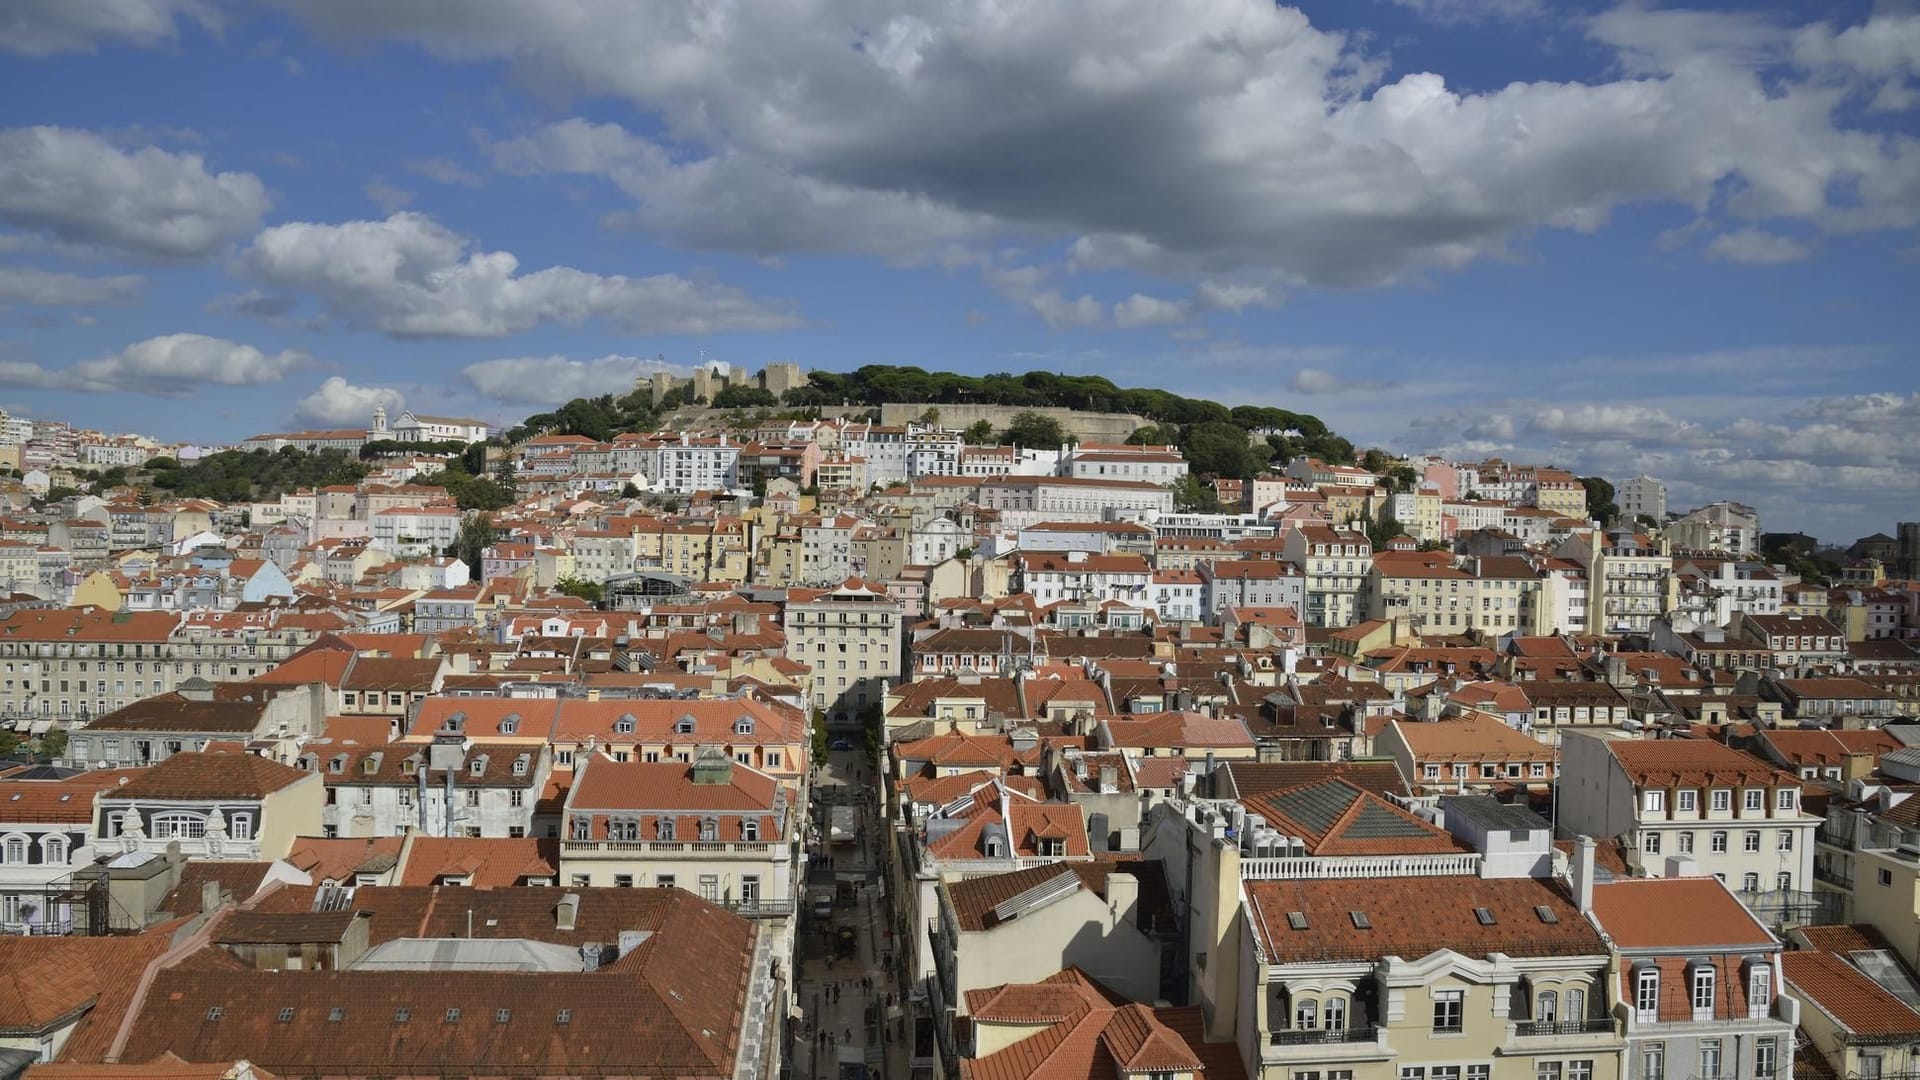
(1050, 577)
(1700, 980)
(1334, 562)
(1630, 581)
(1736, 817)
(1251, 583)
(850, 637)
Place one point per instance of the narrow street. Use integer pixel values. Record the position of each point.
(846, 991)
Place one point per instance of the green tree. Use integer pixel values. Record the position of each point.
(476, 536)
(1600, 504)
(1192, 495)
(979, 433)
(589, 591)
(1219, 448)
(1035, 430)
(629, 491)
(1381, 530)
(1154, 435)
(53, 745)
(10, 744)
(931, 416)
(1402, 479)
(744, 397)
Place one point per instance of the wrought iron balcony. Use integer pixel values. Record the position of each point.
(1310, 1036)
(1595, 1025)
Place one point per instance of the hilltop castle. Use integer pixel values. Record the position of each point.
(709, 378)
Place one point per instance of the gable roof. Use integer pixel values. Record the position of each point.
(1413, 917)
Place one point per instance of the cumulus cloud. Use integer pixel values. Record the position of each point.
(1143, 310)
(339, 403)
(445, 171)
(173, 365)
(412, 277)
(1601, 422)
(45, 27)
(550, 380)
(48, 289)
(1756, 247)
(1195, 139)
(1321, 381)
(388, 197)
(81, 189)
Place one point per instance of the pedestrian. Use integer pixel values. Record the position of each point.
(849, 1034)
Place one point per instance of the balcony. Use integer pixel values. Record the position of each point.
(1358, 866)
(759, 909)
(1321, 1036)
(1527, 1029)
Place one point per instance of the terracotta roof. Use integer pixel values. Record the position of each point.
(1846, 994)
(237, 880)
(1670, 763)
(1185, 729)
(1239, 779)
(1696, 913)
(43, 979)
(1413, 917)
(164, 1067)
(974, 899)
(1091, 1036)
(200, 776)
(488, 863)
(672, 1006)
(68, 801)
(1469, 738)
(331, 859)
(1335, 817)
(175, 712)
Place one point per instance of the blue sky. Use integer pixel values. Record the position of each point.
(1618, 238)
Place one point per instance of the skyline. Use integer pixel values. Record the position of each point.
(1471, 228)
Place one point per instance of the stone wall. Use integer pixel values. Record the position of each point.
(1089, 426)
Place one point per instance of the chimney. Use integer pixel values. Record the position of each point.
(1581, 873)
(209, 897)
(1123, 897)
(564, 914)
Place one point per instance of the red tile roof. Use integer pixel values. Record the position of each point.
(1843, 992)
(1696, 913)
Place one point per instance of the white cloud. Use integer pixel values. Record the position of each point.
(1196, 138)
(173, 365)
(46, 288)
(1061, 313)
(1756, 247)
(83, 190)
(1639, 423)
(1453, 11)
(1232, 296)
(390, 198)
(1143, 310)
(339, 403)
(445, 171)
(1321, 381)
(412, 277)
(551, 380)
(45, 27)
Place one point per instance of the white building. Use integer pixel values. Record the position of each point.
(1078, 576)
(449, 787)
(419, 427)
(1643, 495)
(411, 531)
(703, 464)
(1023, 500)
(1152, 464)
(1737, 817)
(850, 638)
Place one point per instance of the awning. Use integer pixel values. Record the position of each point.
(40, 727)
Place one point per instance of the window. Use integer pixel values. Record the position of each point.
(1709, 1057)
(1684, 801)
(1759, 991)
(1412, 1072)
(1306, 1014)
(750, 830)
(1546, 1007)
(1547, 1070)
(1786, 840)
(1333, 1014)
(1448, 1011)
(1576, 1005)
(15, 850)
(1654, 802)
(1685, 844)
(1722, 801)
(1870, 1067)
(1784, 799)
(1651, 843)
(1750, 842)
(1580, 1070)
(1886, 876)
(1646, 995)
(1719, 843)
(1653, 1061)
(242, 827)
(1783, 881)
(1756, 800)
(1766, 1056)
(1702, 997)
(179, 826)
(53, 849)
(663, 829)
(1750, 883)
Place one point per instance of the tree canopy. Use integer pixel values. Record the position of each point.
(243, 475)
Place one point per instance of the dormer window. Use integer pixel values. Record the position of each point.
(1759, 990)
(743, 726)
(510, 724)
(1700, 983)
(1646, 994)
(582, 828)
(709, 829)
(478, 766)
(663, 829)
(750, 830)
(624, 724)
(521, 764)
(684, 726)
(338, 764)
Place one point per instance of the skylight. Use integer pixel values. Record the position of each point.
(1485, 916)
(1297, 920)
(1360, 920)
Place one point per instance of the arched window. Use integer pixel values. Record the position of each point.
(1306, 1014)
(1576, 1005)
(1646, 994)
(1333, 1014)
(663, 829)
(53, 849)
(750, 830)
(582, 827)
(179, 826)
(1546, 1007)
(709, 829)
(14, 850)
